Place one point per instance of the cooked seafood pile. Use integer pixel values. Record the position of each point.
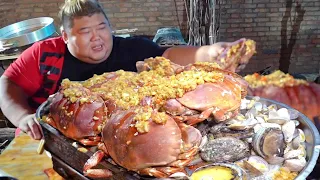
(263, 140)
(299, 94)
(146, 118)
(168, 119)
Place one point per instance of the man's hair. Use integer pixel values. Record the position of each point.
(72, 9)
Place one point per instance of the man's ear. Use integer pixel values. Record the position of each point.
(64, 35)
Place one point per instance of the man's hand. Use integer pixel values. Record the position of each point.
(232, 56)
(31, 126)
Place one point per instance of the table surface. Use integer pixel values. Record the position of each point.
(21, 160)
(8, 57)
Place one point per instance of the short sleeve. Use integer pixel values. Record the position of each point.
(25, 70)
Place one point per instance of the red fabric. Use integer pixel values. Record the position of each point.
(31, 70)
(25, 70)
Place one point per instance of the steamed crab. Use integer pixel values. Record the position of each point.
(146, 118)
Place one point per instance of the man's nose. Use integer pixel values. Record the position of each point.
(95, 35)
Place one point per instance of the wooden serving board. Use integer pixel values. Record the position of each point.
(21, 160)
(68, 160)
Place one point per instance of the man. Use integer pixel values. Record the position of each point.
(87, 47)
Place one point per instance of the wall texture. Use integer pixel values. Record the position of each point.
(282, 29)
(146, 15)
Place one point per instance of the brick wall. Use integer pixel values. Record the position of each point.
(263, 21)
(146, 15)
(260, 20)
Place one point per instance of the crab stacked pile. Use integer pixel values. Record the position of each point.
(166, 118)
(144, 121)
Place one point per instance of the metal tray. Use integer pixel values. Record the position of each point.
(27, 32)
(311, 133)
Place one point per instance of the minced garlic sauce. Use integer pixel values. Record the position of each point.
(129, 89)
(277, 78)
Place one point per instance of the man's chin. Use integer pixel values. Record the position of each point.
(97, 60)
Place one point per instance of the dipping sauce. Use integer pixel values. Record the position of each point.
(213, 173)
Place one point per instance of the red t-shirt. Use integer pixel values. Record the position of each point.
(38, 69)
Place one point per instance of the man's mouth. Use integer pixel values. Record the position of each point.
(97, 48)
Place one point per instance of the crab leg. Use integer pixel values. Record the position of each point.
(93, 161)
(176, 166)
(90, 141)
(160, 172)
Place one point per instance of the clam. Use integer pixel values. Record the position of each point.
(274, 160)
(298, 139)
(218, 171)
(288, 130)
(256, 165)
(295, 165)
(244, 104)
(280, 116)
(258, 106)
(224, 149)
(293, 154)
(294, 114)
(257, 127)
(269, 142)
(242, 125)
(204, 141)
(252, 102)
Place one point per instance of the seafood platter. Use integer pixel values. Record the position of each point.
(168, 121)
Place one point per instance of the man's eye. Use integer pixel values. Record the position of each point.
(84, 32)
(101, 27)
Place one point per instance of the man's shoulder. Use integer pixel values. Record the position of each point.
(55, 44)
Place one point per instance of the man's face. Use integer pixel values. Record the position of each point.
(90, 38)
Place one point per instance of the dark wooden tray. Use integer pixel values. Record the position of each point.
(68, 161)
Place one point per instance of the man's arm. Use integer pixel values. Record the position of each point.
(20, 80)
(13, 103)
(232, 56)
(184, 55)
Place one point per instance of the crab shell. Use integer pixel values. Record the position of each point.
(223, 96)
(79, 119)
(160, 146)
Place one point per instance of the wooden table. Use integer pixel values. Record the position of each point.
(21, 160)
(5, 60)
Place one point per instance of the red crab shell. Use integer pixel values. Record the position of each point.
(160, 146)
(80, 118)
